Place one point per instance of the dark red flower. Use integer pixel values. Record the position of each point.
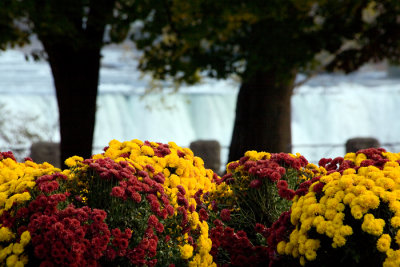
(191, 208)
(135, 196)
(259, 228)
(159, 227)
(163, 214)
(286, 193)
(228, 231)
(225, 215)
(180, 153)
(240, 260)
(233, 165)
(150, 168)
(322, 162)
(110, 254)
(21, 229)
(214, 205)
(227, 177)
(40, 251)
(152, 262)
(182, 210)
(152, 221)
(282, 184)
(181, 189)
(123, 243)
(153, 245)
(203, 215)
(128, 233)
(8, 154)
(21, 213)
(256, 183)
(170, 209)
(305, 184)
(218, 223)
(183, 201)
(274, 176)
(318, 187)
(301, 191)
(143, 174)
(155, 206)
(248, 164)
(148, 181)
(242, 160)
(58, 226)
(46, 264)
(159, 178)
(197, 196)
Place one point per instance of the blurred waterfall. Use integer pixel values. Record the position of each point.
(326, 111)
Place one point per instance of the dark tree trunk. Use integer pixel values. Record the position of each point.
(72, 36)
(76, 76)
(263, 118)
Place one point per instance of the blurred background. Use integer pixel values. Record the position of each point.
(327, 110)
(345, 87)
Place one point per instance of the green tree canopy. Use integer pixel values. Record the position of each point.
(72, 33)
(265, 43)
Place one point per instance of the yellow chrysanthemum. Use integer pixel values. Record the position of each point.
(73, 161)
(186, 251)
(383, 243)
(360, 191)
(12, 260)
(372, 226)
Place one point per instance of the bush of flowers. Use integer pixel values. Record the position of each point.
(262, 186)
(135, 204)
(349, 216)
(17, 189)
(152, 204)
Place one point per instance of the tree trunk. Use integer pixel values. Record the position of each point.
(263, 118)
(72, 35)
(76, 77)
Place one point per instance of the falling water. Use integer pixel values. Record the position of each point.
(326, 111)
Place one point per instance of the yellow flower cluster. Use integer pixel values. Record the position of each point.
(187, 171)
(186, 251)
(73, 161)
(15, 179)
(311, 171)
(203, 257)
(360, 192)
(14, 251)
(180, 167)
(254, 155)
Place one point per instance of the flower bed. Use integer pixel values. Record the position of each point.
(152, 204)
(351, 214)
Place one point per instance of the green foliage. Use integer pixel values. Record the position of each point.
(180, 38)
(259, 205)
(259, 187)
(11, 33)
(72, 22)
